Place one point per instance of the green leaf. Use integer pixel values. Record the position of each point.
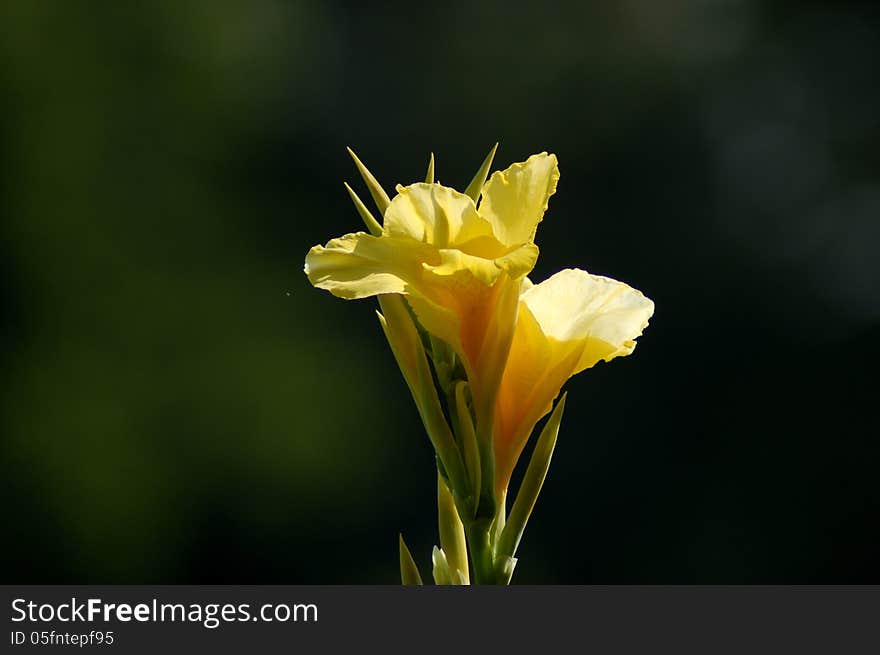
(379, 196)
(429, 178)
(476, 186)
(529, 489)
(452, 539)
(409, 572)
(371, 223)
(406, 344)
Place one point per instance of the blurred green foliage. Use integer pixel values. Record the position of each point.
(179, 405)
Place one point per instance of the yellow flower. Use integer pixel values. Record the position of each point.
(460, 261)
(566, 324)
(459, 265)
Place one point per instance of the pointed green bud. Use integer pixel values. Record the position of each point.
(476, 186)
(429, 178)
(442, 574)
(372, 224)
(379, 196)
(452, 539)
(531, 485)
(505, 568)
(409, 572)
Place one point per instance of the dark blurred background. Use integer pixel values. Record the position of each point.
(180, 406)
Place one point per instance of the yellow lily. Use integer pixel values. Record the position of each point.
(459, 265)
(566, 324)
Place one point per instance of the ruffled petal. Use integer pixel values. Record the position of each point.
(443, 217)
(360, 265)
(455, 262)
(514, 200)
(565, 324)
(515, 264)
(604, 314)
(520, 261)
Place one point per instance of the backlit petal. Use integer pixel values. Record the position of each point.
(478, 322)
(514, 200)
(604, 314)
(565, 324)
(360, 265)
(435, 214)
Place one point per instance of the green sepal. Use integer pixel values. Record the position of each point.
(368, 219)
(406, 344)
(486, 504)
(531, 485)
(467, 438)
(476, 186)
(379, 196)
(429, 178)
(452, 539)
(409, 572)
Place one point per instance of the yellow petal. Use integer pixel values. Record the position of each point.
(520, 261)
(565, 324)
(443, 217)
(359, 265)
(516, 264)
(604, 314)
(514, 200)
(477, 321)
(455, 262)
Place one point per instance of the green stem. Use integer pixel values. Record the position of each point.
(480, 545)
